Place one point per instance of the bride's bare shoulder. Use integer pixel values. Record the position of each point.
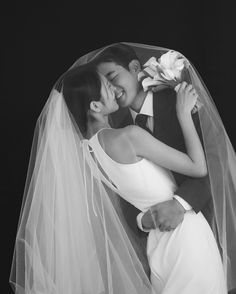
(115, 137)
(124, 134)
(122, 137)
(133, 132)
(117, 144)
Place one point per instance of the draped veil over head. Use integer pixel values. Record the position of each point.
(72, 237)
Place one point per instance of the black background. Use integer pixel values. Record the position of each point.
(40, 42)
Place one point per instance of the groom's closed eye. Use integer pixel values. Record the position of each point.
(113, 78)
(111, 75)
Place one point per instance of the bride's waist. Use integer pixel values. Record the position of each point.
(144, 202)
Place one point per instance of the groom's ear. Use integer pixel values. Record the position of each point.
(134, 66)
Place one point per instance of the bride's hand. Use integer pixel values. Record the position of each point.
(186, 99)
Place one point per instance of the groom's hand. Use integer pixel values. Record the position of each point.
(165, 215)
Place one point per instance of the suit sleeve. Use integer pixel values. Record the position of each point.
(196, 191)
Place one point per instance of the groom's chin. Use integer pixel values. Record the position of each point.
(123, 104)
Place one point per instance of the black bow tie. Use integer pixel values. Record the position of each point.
(141, 120)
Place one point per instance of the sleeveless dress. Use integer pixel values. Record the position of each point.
(182, 261)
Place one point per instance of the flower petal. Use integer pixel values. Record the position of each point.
(168, 74)
(151, 62)
(176, 73)
(168, 59)
(150, 71)
(157, 76)
(148, 82)
(165, 59)
(179, 64)
(141, 74)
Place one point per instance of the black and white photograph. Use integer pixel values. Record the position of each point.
(119, 135)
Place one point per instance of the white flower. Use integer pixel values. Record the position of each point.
(152, 63)
(179, 63)
(150, 71)
(168, 74)
(157, 76)
(167, 59)
(172, 63)
(150, 82)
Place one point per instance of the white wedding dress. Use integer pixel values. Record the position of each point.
(183, 261)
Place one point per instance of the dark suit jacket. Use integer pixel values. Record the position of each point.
(196, 191)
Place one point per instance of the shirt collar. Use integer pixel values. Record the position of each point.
(147, 107)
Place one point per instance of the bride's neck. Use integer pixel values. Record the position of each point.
(96, 124)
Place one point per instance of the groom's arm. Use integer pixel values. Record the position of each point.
(195, 191)
(192, 193)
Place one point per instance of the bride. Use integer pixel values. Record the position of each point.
(71, 238)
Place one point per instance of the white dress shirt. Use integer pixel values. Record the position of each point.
(147, 109)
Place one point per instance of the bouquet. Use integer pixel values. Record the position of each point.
(167, 72)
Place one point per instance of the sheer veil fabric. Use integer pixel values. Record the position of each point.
(70, 238)
(71, 235)
(220, 156)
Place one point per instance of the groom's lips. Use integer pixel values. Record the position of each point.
(119, 95)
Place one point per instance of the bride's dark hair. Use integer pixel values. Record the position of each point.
(80, 86)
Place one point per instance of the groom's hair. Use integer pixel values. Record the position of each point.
(119, 53)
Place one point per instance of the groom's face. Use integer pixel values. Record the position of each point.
(124, 80)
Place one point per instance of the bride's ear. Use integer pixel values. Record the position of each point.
(134, 66)
(96, 106)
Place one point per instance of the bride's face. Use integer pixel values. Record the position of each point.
(108, 96)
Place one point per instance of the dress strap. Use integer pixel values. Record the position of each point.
(96, 165)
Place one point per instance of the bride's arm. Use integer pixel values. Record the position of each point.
(145, 145)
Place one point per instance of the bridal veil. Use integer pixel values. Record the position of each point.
(71, 236)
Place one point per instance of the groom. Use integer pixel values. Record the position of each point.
(156, 113)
